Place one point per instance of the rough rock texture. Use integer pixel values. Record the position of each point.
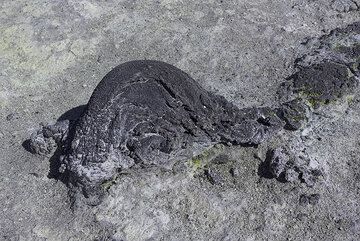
(295, 113)
(49, 137)
(327, 68)
(326, 74)
(149, 113)
(340, 46)
(312, 199)
(345, 5)
(289, 168)
(324, 82)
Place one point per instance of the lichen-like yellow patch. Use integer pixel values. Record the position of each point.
(106, 185)
(199, 162)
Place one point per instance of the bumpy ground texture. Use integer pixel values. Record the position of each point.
(296, 62)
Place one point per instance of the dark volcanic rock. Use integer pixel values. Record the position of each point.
(286, 167)
(309, 199)
(327, 70)
(341, 45)
(147, 113)
(49, 137)
(325, 82)
(294, 113)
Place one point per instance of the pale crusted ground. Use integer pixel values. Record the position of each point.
(52, 55)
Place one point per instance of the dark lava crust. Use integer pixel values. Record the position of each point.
(147, 113)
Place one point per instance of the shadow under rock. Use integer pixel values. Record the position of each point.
(264, 169)
(72, 115)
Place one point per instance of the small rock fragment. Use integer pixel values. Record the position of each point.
(12, 116)
(234, 172)
(311, 199)
(294, 113)
(286, 167)
(46, 139)
(278, 162)
(213, 176)
(309, 176)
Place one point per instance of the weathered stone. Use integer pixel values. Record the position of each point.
(324, 82)
(149, 113)
(12, 116)
(278, 162)
(48, 137)
(294, 113)
(286, 167)
(213, 176)
(309, 199)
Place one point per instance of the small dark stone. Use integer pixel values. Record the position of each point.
(311, 199)
(294, 113)
(46, 139)
(301, 216)
(213, 176)
(34, 174)
(278, 162)
(234, 172)
(286, 167)
(309, 176)
(12, 116)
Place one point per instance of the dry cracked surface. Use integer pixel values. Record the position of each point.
(298, 61)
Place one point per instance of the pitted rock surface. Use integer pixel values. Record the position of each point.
(287, 167)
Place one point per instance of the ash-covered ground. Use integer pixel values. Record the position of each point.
(52, 56)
